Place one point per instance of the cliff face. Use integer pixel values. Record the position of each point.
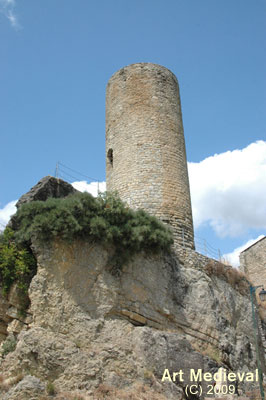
(104, 336)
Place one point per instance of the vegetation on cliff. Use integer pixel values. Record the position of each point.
(17, 263)
(105, 219)
(235, 278)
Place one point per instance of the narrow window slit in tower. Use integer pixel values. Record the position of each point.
(110, 156)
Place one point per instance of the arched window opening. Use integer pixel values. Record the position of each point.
(110, 156)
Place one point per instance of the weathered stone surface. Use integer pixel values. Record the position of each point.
(14, 296)
(16, 326)
(12, 318)
(3, 328)
(30, 388)
(4, 305)
(3, 335)
(4, 318)
(145, 146)
(45, 188)
(12, 312)
(253, 261)
(97, 333)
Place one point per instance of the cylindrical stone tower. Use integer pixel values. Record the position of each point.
(145, 147)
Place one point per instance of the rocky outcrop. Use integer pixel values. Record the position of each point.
(45, 188)
(13, 315)
(28, 387)
(4, 317)
(99, 335)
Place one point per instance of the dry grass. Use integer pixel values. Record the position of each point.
(7, 383)
(138, 392)
(67, 396)
(238, 280)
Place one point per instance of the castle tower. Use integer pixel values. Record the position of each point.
(145, 147)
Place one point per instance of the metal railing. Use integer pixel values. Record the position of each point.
(70, 175)
(205, 248)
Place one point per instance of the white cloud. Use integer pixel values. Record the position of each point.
(6, 212)
(233, 257)
(92, 187)
(228, 190)
(7, 8)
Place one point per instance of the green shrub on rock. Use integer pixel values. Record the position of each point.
(50, 389)
(17, 263)
(8, 346)
(105, 219)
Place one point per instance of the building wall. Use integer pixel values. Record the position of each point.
(253, 263)
(145, 148)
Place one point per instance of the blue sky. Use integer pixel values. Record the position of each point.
(56, 59)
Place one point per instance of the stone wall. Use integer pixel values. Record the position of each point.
(253, 263)
(145, 147)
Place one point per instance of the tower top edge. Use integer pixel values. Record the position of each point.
(142, 65)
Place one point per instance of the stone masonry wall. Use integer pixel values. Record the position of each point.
(253, 263)
(145, 148)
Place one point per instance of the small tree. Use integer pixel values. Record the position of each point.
(17, 263)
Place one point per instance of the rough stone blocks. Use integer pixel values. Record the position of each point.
(145, 147)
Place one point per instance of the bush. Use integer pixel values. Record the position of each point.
(234, 277)
(8, 346)
(17, 263)
(50, 389)
(105, 219)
